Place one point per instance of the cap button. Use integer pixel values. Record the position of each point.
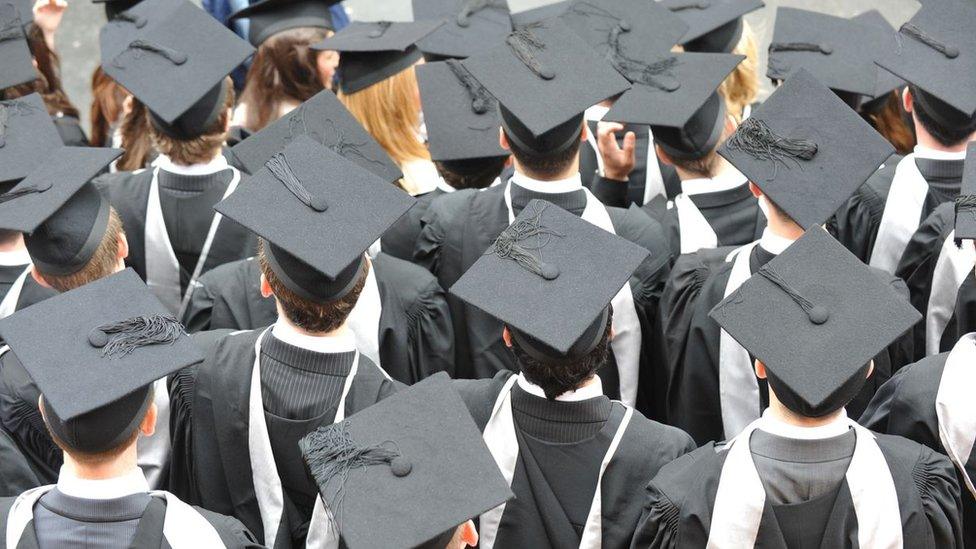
(318, 204)
(549, 271)
(401, 466)
(818, 315)
(97, 338)
(624, 25)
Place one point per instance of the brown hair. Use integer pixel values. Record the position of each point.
(890, 122)
(134, 131)
(741, 88)
(284, 68)
(103, 262)
(702, 167)
(311, 316)
(201, 148)
(106, 109)
(48, 83)
(99, 458)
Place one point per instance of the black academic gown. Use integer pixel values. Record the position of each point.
(16, 475)
(692, 398)
(678, 509)
(616, 193)
(400, 239)
(211, 466)
(905, 406)
(32, 293)
(8, 275)
(415, 331)
(539, 516)
(460, 226)
(69, 128)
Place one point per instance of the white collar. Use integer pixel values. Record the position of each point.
(774, 243)
(15, 257)
(133, 482)
(443, 185)
(165, 163)
(724, 181)
(775, 426)
(595, 113)
(286, 333)
(591, 390)
(932, 154)
(558, 186)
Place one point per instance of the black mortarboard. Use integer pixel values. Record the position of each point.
(125, 25)
(806, 149)
(27, 135)
(537, 15)
(936, 51)
(115, 7)
(680, 102)
(21, 9)
(549, 277)
(185, 46)
(839, 52)
(538, 79)
(94, 352)
(326, 120)
(269, 17)
(373, 52)
(714, 26)
(405, 472)
(462, 117)
(63, 214)
(16, 66)
(886, 82)
(471, 26)
(317, 213)
(966, 201)
(815, 316)
(624, 28)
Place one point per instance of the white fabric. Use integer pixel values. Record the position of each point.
(153, 452)
(627, 340)
(592, 389)
(420, 176)
(922, 151)
(738, 387)
(954, 405)
(902, 215)
(953, 266)
(14, 258)
(694, 230)
(774, 243)
(499, 436)
(740, 497)
(267, 483)
(364, 319)
(775, 426)
(218, 164)
(133, 482)
(9, 303)
(286, 333)
(443, 185)
(556, 186)
(729, 179)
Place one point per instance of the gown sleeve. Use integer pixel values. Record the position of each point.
(181, 474)
(877, 415)
(232, 532)
(199, 310)
(22, 419)
(658, 525)
(432, 237)
(431, 333)
(855, 224)
(610, 192)
(16, 475)
(937, 483)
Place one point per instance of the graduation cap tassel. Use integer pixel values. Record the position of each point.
(480, 99)
(126, 17)
(8, 109)
(11, 30)
(278, 166)
(816, 313)
(509, 245)
(174, 56)
(118, 339)
(915, 32)
(693, 5)
(756, 139)
(17, 193)
(472, 7)
(524, 44)
(656, 75)
(381, 28)
(801, 46)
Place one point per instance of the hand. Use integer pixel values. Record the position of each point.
(617, 162)
(47, 16)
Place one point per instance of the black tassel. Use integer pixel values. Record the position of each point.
(11, 28)
(816, 313)
(801, 46)
(480, 98)
(9, 109)
(692, 5)
(126, 17)
(175, 57)
(510, 245)
(118, 339)
(298, 126)
(472, 7)
(756, 139)
(380, 29)
(951, 52)
(524, 43)
(279, 168)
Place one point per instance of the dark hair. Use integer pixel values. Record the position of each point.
(102, 263)
(945, 135)
(311, 316)
(702, 167)
(545, 165)
(471, 174)
(8, 236)
(556, 379)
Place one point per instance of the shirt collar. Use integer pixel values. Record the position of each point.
(596, 113)
(592, 390)
(774, 243)
(729, 179)
(444, 185)
(558, 186)
(932, 154)
(286, 333)
(778, 427)
(15, 257)
(218, 164)
(133, 482)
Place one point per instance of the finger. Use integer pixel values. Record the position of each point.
(630, 143)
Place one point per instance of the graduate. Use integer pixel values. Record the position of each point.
(879, 220)
(97, 417)
(240, 414)
(572, 456)
(422, 472)
(167, 210)
(805, 474)
(710, 389)
(470, 27)
(460, 226)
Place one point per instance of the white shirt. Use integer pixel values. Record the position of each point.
(774, 243)
(729, 179)
(14, 258)
(286, 333)
(133, 482)
(775, 426)
(932, 154)
(592, 389)
(218, 164)
(558, 186)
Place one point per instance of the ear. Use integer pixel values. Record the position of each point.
(760, 369)
(123, 247)
(469, 534)
(148, 425)
(127, 104)
(663, 155)
(870, 369)
(585, 132)
(265, 287)
(38, 278)
(755, 190)
(730, 125)
(503, 140)
(907, 100)
(230, 117)
(507, 337)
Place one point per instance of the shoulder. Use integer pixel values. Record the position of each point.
(894, 282)
(402, 277)
(909, 459)
(479, 395)
(918, 383)
(657, 444)
(686, 474)
(229, 271)
(638, 227)
(124, 184)
(450, 206)
(231, 531)
(874, 192)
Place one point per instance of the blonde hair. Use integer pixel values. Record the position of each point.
(741, 88)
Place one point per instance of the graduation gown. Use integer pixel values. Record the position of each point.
(460, 226)
(16, 476)
(664, 179)
(8, 277)
(211, 420)
(555, 478)
(415, 337)
(400, 239)
(69, 128)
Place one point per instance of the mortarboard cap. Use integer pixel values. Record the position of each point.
(125, 25)
(806, 149)
(16, 62)
(269, 17)
(373, 52)
(537, 78)
(462, 117)
(886, 82)
(549, 277)
(714, 26)
(422, 469)
(680, 102)
(318, 213)
(62, 213)
(936, 51)
(966, 201)
(326, 120)
(185, 46)
(839, 52)
(470, 26)
(618, 29)
(27, 135)
(815, 316)
(539, 14)
(94, 352)
(113, 8)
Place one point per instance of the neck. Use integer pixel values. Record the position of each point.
(567, 172)
(118, 466)
(719, 167)
(15, 243)
(780, 226)
(340, 331)
(925, 139)
(785, 415)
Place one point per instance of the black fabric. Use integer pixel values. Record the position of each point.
(613, 193)
(16, 476)
(20, 417)
(32, 293)
(401, 238)
(299, 384)
(573, 202)
(556, 421)
(69, 128)
(8, 275)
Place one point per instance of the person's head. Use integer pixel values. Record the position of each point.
(946, 126)
(474, 173)
(692, 149)
(48, 81)
(10, 239)
(107, 109)
(786, 402)
(285, 68)
(888, 117)
(552, 155)
(108, 257)
(134, 132)
(741, 88)
(201, 148)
